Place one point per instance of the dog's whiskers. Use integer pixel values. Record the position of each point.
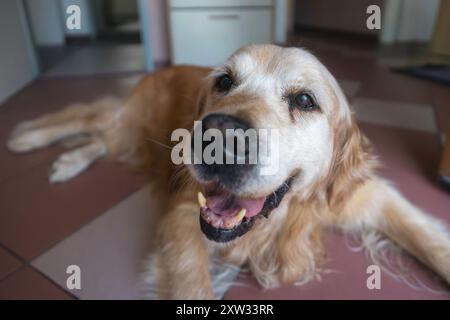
(159, 143)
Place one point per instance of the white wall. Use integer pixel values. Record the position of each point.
(283, 19)
(17, 63)
(417, 20)
(46, 22)
(282, 9)
(409, 20)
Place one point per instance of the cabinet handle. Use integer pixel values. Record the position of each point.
(223, 16)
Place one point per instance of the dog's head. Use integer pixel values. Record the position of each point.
(300, 117)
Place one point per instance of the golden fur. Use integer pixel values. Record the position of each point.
(281, 250)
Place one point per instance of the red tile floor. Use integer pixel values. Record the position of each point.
(101, 219)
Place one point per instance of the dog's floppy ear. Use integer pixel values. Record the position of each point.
(353, 162)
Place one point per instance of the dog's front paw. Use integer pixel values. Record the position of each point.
(22, 127)
(67, 166)
(26, 141)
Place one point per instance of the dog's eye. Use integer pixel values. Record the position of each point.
(304, 101)
(224, 83)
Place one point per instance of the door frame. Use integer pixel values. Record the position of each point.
(144, 21)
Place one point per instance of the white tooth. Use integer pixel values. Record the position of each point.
(201, 200)
(240, 215)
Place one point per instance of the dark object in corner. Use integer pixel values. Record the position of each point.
(437, 73)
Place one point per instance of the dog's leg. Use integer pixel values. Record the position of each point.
(77, 141)
(182, 256)
(378, 206)
(43, 137)
(72, 163)
(72, 120)
(70, 113)
(49, 120)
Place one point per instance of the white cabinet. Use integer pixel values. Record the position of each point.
(206, 32)
(219, 3)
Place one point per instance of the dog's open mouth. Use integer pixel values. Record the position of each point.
(225, 216)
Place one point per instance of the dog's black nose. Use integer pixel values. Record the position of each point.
(233, 130)
(223, 122)
(233, 136)
(235, 160)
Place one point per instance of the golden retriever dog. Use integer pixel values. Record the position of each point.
(271, 224)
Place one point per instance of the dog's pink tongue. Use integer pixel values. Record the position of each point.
(229, 206)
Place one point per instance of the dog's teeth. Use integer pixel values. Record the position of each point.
(240, 215)
(201, 200)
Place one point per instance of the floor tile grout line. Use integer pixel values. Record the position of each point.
(52, 281)
(22, 261)
(25, 260)
(407, 104)
(25, 264)
(9, 275)
(398, 127)
(12, 252)
(430, 107)
(53, 245)
(30, 263)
